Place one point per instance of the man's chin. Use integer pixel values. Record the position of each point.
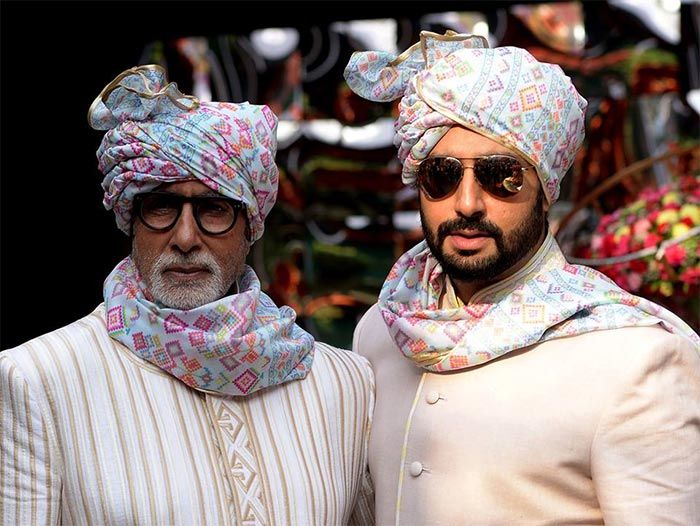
(469, 258)
(469, 267)
(188, 295)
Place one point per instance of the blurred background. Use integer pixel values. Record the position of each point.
(630, 205)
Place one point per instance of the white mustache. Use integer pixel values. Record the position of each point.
(200, 259)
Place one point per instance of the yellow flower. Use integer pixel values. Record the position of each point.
(622, 231)
(672, 197)
(666, 289)
(667, 216)
(691, 211)
(637, 206)
(679, 229)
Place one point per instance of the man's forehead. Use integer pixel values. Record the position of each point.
(464, 142)
(188, 188)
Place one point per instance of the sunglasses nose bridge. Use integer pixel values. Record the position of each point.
(469, 193)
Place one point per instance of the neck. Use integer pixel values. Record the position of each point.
(466, 289)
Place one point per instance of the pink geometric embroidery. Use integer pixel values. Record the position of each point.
(495, 84)
(139, 341)
(477, 311)
(454, 331)
(204, 323)
(530, 99)
(251, 356)
(230, 363)
(197, 338)
(417, 346)
(458, 362)
(173, 324)
(174, 349)
(245, 381)
(163, 360)
(115, 319)
(191, 364)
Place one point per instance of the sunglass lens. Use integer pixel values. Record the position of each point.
(159, 210)
(500, 175)
(439, 176)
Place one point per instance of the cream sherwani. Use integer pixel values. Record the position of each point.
(600, 428)
(92, 434)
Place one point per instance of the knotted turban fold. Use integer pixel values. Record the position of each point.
(502, 93)
(156, 135)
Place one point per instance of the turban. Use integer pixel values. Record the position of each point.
(503, 93)
(156, 135)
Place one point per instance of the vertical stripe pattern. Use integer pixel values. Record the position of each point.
(91, 434)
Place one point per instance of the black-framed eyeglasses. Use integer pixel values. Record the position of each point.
(160, 211)
(499, 175)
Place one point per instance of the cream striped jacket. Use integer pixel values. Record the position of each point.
(92, 434)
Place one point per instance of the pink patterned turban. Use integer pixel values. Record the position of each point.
(156, 135)
(502, 93)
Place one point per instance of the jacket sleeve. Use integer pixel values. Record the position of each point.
(363, 513)
(645, 457)
(30, 486)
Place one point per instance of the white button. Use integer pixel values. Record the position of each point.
(432, 397)
(415, 469)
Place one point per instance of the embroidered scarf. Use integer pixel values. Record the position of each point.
(548, 298)
(233, 346)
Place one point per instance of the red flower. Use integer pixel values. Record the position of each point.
(652, 219)
(651, 240)
(691, 276)
(638, 265)
(688, 221)
(664, 228)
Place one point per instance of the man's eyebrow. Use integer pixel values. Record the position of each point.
(209, 193)
(486, 153)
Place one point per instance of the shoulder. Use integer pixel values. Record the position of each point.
(371, 337)
(626, 361)
(630, 346)
(342, 364)
(53, 354)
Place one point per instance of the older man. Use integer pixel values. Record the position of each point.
(513, 387)
(188, 397)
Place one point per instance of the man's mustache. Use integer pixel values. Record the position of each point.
(468, 223)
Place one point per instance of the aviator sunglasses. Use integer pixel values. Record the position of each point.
(499, 175)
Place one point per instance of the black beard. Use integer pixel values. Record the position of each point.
(510, 250)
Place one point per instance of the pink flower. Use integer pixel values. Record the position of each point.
(635, 281)
(596, 243)
(641, 227)
(675, 255)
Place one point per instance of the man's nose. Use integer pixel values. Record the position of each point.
(186, 235)
(469, 196)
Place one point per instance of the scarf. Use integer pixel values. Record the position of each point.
(233, 346)
(547, 299)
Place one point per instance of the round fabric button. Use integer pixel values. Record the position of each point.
(415, 469)
(432, 397)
